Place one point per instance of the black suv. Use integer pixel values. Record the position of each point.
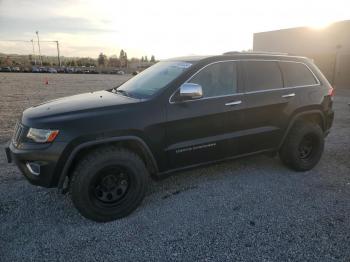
(180, 113)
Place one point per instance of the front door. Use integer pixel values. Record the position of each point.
(206, 129)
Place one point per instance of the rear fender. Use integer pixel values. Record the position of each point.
(303, 115)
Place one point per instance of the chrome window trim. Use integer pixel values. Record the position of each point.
(278, 89)
(251, 92)
(200, 99)
(192, 76)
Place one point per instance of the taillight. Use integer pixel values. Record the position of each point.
(331, 91)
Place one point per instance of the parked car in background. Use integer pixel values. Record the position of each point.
(60, 70)
(52, 70)
(35, 69)
(117, 72)
(78, 70)
(15, 69)
(6, 69)
(69, 70)
(43, 69)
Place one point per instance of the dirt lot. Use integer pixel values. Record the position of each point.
(20, 91)
(251, 209)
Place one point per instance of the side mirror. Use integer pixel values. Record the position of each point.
(190, 91)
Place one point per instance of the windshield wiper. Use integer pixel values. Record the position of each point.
(120, 91)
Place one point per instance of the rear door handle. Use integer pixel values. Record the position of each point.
(288, 95)
(234, 103)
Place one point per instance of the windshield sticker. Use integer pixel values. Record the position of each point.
(183, 65)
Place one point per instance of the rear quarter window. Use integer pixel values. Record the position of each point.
(262, 75)
(297, 74)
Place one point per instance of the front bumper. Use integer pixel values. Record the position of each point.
(40, 166)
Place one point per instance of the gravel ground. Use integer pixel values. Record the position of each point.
(252, 209)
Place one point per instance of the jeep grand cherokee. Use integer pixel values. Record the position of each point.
(180, 113)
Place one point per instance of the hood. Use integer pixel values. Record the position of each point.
(78, 104)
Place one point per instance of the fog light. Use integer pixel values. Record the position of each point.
(33, 168)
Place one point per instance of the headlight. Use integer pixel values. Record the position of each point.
(42, 135)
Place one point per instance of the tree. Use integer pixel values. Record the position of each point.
(114, 61)
(135, 60)
(123, 57)
(79, 62)
(126, 59)
(72, 63)
(142, 59)
(152, 59)
(102, 59)
(8, 61)
(146, 59)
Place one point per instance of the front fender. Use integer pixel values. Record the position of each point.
(85, 145)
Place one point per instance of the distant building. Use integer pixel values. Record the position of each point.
(328, 47)
(138, 65)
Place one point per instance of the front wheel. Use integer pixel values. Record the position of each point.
(109, 183)
(303, 147)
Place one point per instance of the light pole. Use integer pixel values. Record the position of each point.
(337, 48)
(33, 52)
(58, 54)
(41, 60)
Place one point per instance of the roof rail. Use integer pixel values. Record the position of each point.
(254, 53)
(232, 53)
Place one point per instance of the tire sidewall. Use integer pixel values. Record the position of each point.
(81, 192)
(290, 151)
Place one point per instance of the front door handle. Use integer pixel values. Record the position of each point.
(288, 95)
(234, 103)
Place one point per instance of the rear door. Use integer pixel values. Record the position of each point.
(206, 129)
(266, 102)
(301, 83)
(273, 91)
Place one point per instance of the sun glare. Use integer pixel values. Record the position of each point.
(319, 25)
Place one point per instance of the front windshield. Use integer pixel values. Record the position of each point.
(154, 78)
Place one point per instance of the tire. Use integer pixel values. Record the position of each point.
(303, 147)
(108, 184)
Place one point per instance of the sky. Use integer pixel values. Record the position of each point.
(155, 27)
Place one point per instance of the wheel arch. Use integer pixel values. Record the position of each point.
(132, 143)
(315, 116)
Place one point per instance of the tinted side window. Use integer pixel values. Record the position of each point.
(296, 74)
(262, 75)
(217, 79)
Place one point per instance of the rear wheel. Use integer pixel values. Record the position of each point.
(303, 147)
(108, 184)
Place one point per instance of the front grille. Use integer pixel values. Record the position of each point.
(18, 135)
